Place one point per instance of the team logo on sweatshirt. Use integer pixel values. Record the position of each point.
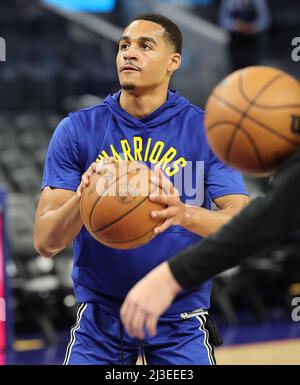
(188, 176)
(147, 151)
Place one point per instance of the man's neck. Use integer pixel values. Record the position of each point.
(141, 105)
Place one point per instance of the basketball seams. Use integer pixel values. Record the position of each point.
(123, 215)
(100, 196)
(244, 114)
(220, 123)
(285, 107)
(245, 132)
(135, 239)
(252, 141)
(231, 141)
(261, 106)
(261, 91)
(237, 127)
(260, 124)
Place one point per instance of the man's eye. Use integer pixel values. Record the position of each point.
(145, 46)
(123, 46)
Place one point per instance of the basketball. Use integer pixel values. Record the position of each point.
(115, 206)
(253, 119)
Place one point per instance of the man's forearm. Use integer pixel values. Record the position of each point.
(57, 228)
(205, 222)
(232, 244)
(261, 224)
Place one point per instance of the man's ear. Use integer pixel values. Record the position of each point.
(175, 62)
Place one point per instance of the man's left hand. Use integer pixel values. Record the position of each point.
(148, 300)
(175, 212)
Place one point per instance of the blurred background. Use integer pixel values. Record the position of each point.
(60, 56)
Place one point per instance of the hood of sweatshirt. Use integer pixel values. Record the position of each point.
(173, 105)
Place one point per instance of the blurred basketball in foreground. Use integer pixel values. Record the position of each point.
(115, 206)
(253, 119)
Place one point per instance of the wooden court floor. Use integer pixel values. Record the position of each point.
(286, 352)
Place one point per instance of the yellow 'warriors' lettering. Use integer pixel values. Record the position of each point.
(168, 157)
(138, 148)
(141, 151)
(126, 149)
(101, 156)
(180, 161)
(114, 153)
(156, 151)
(147, 150)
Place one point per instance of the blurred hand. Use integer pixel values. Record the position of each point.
(148, 300)
(244, 27)
(175, 211)
(94, 167)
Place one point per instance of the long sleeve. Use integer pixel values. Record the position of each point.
(263, 222)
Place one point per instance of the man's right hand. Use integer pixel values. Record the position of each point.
(94, 167)
(85, 178)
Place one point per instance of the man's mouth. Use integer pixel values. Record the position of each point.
(129, 67)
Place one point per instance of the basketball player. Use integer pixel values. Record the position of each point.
(144, 121)
(267, 219)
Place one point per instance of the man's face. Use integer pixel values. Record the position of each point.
(144, 56)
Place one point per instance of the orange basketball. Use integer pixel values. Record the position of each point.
(253, 119)
(115, 206)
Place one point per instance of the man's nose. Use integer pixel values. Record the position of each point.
(130, 53)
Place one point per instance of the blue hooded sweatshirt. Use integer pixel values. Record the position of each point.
(173, 135)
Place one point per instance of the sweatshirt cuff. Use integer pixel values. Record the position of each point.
(179, 273)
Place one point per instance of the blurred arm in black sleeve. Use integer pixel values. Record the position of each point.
(265, 221)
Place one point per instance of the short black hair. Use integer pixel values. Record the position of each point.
(172, 31)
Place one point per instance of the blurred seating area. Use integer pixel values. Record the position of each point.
(52, 67)
(49, 59)
(41, 289)
(24, 141)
